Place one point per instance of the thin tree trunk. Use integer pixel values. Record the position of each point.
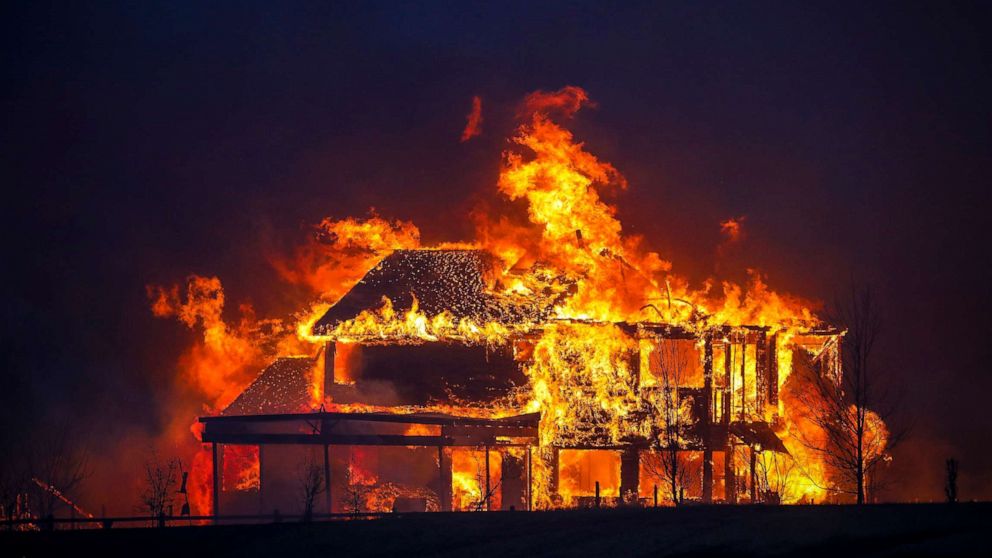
(861, 467)
(675, 475)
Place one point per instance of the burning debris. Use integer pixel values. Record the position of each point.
(554, 363)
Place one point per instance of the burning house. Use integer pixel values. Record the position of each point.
(553, 362)
(434, 388)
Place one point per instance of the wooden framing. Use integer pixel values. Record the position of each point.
(720, 420)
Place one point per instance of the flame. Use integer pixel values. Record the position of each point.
(588, 365)
(219, 364)
(468, 480)
(412, 326)
(582, 469)
(580, 235)
(339, 253)
(242, 468)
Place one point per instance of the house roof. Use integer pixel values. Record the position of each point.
(456, 281)
(758, 434)
(282, 387)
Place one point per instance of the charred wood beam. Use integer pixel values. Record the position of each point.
(728, 390)
(330, 350)
(667, 331)
(728, 330)
(761, 371)
(717, 437)
(635, 367)
(362, 440)
(550, 457)
(332, 440)
(707, 419)
(824, 331)
(773, 370)
(444, 471)
(530, 419)
(708, 381)
(743, 377)
(216, 481)
(754, 476)
(530, 480)
(489, 431)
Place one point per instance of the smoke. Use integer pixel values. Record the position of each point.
(565, 102)
(221, 361)
(339, 252)
(473, 124)
(733, 235)
(733, 230)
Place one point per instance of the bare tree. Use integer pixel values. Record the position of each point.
(15, 482)
(775, 470)
(311, 479)
(161, 480)
(486, 489)
(671, 437)
(355, 492)
(850, 411)
(658, 464)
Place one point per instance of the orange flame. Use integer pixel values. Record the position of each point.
(340, 252)
(571, 249)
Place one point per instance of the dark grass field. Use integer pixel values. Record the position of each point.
(882, 530)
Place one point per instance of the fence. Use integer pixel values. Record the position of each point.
(51, 523)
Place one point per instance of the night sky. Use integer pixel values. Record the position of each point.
(142, 143)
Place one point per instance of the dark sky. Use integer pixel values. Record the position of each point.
(145, 142)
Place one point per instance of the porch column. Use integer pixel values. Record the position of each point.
(444, 473)
(330, 349)
(773, 370)
(761, 373)
(707, 420)
(552, 461)
(530, 482)
(488, 507)
(754, 476)
(216, 479)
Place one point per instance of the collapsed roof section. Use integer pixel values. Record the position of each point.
(282, 387)
(467, 285)
(460, 282)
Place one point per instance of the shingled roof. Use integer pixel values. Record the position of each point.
(283, 387)
(441, 280)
